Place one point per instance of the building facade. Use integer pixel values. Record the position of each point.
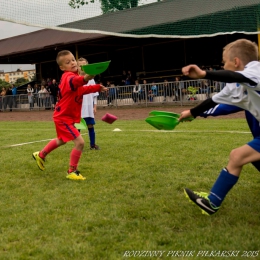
(12, 76)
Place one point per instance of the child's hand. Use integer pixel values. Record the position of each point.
(185, 114)
(193, 71)
(103, 89)
(88, 77)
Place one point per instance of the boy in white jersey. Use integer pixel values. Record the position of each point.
(89, 107)
(242, 72)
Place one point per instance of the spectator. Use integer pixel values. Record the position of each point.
(129, 79)
(179, 89)
(111, 94)
(36, 95)
(48, 82)
(167, 90)
(205, 89)
(48, 99)
(30, 96)
(143, 90)
(43, 96)
(153, 91)
(123, 78)
(2, 98)
(136, 91)
(44, 83)
(53, 90)
(14, 93)
(9, 98)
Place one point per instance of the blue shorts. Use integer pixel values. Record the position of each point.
(255, 144)
(89, 120)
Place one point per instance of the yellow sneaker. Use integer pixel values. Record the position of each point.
(40, 162)
(75, 176)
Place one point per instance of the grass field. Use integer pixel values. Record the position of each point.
(133, 197)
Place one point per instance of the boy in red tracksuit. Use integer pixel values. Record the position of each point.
(68, 112)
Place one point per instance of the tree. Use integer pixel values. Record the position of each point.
(34, 78)
(4, 84)
(107, 5)
(21, 81)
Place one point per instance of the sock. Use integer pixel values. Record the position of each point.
(48, 148)
(91, 134)
(222, 186)
(74, 159)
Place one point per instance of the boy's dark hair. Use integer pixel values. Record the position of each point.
(60, 54)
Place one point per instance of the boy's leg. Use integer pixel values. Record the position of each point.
(40, 156)
(92, 135)
(74, 160)
(229, 176)
(90, 121)
(52, 145)
(73, 173)
(227, 179)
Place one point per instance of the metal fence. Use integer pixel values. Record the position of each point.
(25, 102)
(175, 92)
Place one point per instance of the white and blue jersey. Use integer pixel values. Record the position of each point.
(88, 102)
(245, 94)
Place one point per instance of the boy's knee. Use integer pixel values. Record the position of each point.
(235, 155)
(60, 142)
(80, 145)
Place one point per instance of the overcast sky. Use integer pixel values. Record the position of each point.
(11, 29)
(7, 30)
(47, 13)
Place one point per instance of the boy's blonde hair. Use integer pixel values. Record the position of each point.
(243, 49)
(83, 59)
(60, 55)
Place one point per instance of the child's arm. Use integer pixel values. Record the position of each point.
(95, 104)
(220, 110)
(193, 71)
(88, 77)
(228, 77)
(76, 81)
(92, 89)
(199, 109)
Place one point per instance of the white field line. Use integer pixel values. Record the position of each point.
(159, 131)
(14, 145)
(209, 132)
(33, 142)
